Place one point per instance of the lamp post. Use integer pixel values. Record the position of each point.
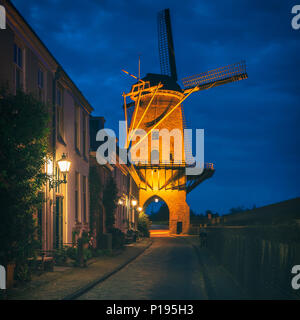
(134, 202)
(64, 167)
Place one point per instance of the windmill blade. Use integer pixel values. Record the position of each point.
(219, 76)
(165, 45)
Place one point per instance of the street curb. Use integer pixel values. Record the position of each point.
(92, 284)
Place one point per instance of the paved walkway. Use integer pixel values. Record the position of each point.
(172, 268)
(64, 281)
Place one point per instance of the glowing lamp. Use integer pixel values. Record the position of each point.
(64, 167)
(64, 164)
(140, 209)
(156, 200)
(134, 202)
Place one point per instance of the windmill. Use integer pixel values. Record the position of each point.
(156, 104)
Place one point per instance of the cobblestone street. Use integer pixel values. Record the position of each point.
(169, 269)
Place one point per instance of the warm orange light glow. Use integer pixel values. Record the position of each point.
(140, 209)
(134, 202)
(64, 164)
(161, 120)
(144, 113)
(159, 233)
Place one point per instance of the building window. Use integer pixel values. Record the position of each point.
(60, 112)
(18, 60)
(40, 79)
(40, 84)
(76, 195)
(77, 128)
(84, 134)
(84, 197)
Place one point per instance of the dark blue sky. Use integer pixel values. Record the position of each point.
(251, 126)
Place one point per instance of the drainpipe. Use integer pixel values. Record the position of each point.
(54, 134)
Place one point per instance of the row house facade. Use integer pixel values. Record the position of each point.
(126, 213)
(27, 64)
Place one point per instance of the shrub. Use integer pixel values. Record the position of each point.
(60, 256)
(22, 272)
(144, 225)
(110, 197)
(87, 254)
(72, 253)
(118, 238)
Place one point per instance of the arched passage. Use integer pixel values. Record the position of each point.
(158, 211)
(179, 211)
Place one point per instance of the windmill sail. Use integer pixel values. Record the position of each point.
(219, 76)
(165, 45)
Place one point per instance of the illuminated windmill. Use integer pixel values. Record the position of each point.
(156, 104)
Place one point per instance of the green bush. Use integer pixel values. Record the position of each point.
(60, 256)
(144, 225)
(22, 272)
(118, 238)
(87, 254)
(71, 253)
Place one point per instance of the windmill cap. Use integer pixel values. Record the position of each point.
(168, 82)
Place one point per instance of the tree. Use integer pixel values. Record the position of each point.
(144, 224)
(23, 148)
(110, 198)
(95, 187)
(237, 209)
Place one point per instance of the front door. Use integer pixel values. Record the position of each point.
(58, 223)
(179, 227)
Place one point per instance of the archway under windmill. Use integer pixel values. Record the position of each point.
(171, 205)
(157, 210)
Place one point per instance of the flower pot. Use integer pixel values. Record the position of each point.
(10, 271)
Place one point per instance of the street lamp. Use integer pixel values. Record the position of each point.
(64, 167)
(140, 209)
(134, 202)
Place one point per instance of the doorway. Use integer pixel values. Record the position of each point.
(58, 223)
(179, 227)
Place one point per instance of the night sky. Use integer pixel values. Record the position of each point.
(251, 126)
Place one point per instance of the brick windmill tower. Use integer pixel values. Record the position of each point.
(154, 104)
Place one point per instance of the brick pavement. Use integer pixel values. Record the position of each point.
(64, 281)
